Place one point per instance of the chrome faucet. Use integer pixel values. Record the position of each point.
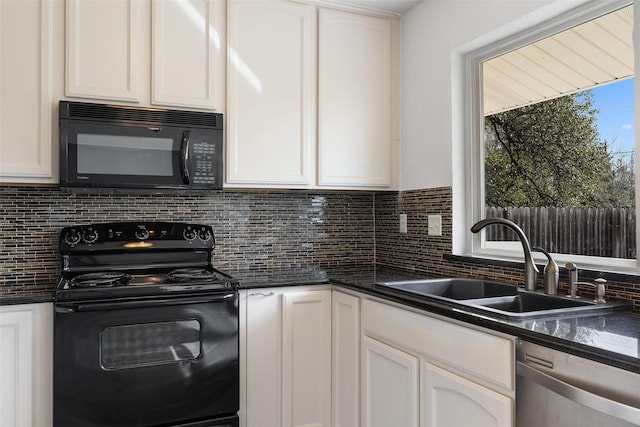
(600, 284)
(551, 273)
(530, 269)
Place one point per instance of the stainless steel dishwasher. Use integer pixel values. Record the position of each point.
(557, 389)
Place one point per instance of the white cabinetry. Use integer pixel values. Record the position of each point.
(345, 360)
(26, 353)
(285, 357)
(355, 88)
(104, 46)
(466, 376)
(109, 43)
(290, 127)
(389, 386)
(451, 400)
(272, 70)
(188, 53)
(28, 42)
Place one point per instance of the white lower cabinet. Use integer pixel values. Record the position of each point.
(26, 354)
(286, 358)
(453, 401)
(465, 376)
(389, 386)
(313, 357)
(345, 359)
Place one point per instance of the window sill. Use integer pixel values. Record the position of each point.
(589, 272)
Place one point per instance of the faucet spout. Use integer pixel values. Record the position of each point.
(530, 269)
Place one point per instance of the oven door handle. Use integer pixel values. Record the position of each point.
(584, 397)
(147, 303)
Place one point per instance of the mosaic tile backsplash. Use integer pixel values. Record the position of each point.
(252, 229)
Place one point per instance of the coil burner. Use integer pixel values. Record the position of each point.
(101, 279)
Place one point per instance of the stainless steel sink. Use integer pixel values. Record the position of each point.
(498, 299)
(531, 304)
(456, 289)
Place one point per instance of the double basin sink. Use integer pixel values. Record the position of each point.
(498, 299)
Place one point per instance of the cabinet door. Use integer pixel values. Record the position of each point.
(25, 365)
(452, 401)
(306, 359)
(345, 370)
(271, 90)
(263, 359)
(104, 46)
(188, 48)
(355, 100)
(26, 62)
(287, 358)
(389, 386)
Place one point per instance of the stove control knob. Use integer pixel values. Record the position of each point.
(90, 236)
(189, 233)
(142, 233)
(72, 237)
(204, 234)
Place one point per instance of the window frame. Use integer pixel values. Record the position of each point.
(474, 135)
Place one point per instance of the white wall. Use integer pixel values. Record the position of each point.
(435, 33)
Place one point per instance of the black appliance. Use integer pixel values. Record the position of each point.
(115, 148)
(145, 329)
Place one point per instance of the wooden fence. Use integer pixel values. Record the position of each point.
(604, 232)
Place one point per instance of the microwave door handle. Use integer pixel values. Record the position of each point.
(185, 157)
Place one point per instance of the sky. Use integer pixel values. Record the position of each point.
(615, 121)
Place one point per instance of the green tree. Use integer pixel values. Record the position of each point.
(547, 154)
(619, 191)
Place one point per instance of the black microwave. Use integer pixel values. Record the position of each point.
(125, 149)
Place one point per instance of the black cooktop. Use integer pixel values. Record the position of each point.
(128, 260)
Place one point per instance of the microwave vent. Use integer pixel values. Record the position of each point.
(126, 114)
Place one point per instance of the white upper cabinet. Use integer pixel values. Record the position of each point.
(104, 46)
(187, 50)
(290, 127)
(160, 52)
(271, 71)
(27, 58)
(355, 119)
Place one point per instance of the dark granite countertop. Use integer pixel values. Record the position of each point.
(27, 299)
(612, 338)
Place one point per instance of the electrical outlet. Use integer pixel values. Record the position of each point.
(435, 225)
(403, 223)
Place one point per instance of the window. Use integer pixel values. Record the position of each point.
(554, 139)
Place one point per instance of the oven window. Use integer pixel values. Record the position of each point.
(124, 155)
(132, 346)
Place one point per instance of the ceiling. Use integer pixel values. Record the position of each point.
(589, 55)
(395, 6)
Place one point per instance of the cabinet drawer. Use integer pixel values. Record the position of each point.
(481, 355)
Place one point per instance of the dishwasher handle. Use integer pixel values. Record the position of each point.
(584, 397)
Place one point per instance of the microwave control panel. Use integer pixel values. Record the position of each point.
(204, 163)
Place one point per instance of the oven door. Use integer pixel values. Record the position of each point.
(163, 362)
